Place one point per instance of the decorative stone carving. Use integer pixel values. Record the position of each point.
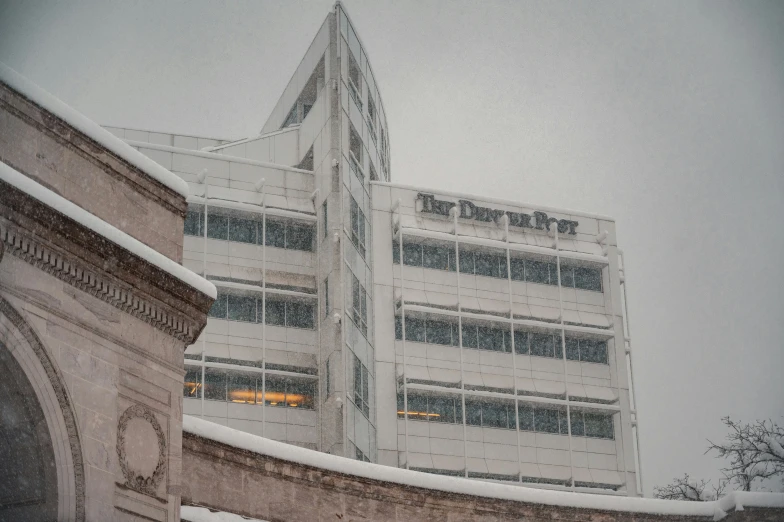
(135, 424)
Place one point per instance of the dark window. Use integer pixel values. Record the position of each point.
(593, 351)
(242, 230)
(490, 339)
(542, 345)
(526, 414)
(275, 391)
(300, 394)
(473, 413)
(326, 297)
(439, 332)
(441, 409)
(558, 346)
(299, 315)
(563, 422)
(521, 342)
(487, 265)
(276, 313)
(357, 227)
(299, 237)
(242, 308)
(193, 221)
(599, 426)
(359, 300)
(276, 234)
(537, 272)
(466, 262)
(470, 337)
(242, 388)
(192, 383)
(395, 252)
(495, 415)
(217, 226)
(572, 349)
(435, 257)
(214, 384)
(545, 420)
(417, 407)
(518, 269)
(588, 279)
(218, 309)
(567, 276)
(324, 217)
(412, 254)
(415, 330)
(578, 426)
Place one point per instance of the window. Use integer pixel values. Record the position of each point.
(192, 383)
(588, 279)
(214, 384)
(428, 256)
(412, 254)
(299, 237)
(285, 392)
(275, 313)
(371, 117)
(359, 302)
(354, 81)
(542, 345)
(217, 226)
(593, 351)
(599, 426)
(324, 217)
(193, 223)
(521, 342)
(359, 455)
(490, 414)
(242, 308)
(242, 387)
(437, 257)
(219, 307)
(248, 309)
(299, 315)
(537, 272)
(242, 230)
(361, 387)
(421, 331)
(373, 173)
(326, 297)
(431, 408)
(357, 227)
(275, 234)
(355, 154)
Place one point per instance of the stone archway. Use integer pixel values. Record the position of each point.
(38, 422)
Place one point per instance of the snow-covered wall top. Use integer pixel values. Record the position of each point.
(106, 139)
(101, 227)
(245, 441)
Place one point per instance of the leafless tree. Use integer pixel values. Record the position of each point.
(755, 451)
(684, 488)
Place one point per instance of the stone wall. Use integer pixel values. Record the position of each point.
(225, 478)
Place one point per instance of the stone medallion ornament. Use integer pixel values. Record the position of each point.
(141, 447)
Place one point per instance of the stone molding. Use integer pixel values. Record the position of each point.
(137, 482)
(63, 399)
(76, 255)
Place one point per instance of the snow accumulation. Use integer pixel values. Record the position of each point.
(200, 514)
(108, 140)
(280, 450)
(101, 227)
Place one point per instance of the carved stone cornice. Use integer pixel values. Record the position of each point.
(73, 253)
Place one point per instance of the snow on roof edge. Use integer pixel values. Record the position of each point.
(200, 514)
(101, 227)
(49, 102)
(288, 452)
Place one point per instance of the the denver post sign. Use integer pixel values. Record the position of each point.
(537, 220)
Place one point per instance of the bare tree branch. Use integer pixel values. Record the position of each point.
(684, 488)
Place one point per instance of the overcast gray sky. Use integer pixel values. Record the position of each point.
(668, 116)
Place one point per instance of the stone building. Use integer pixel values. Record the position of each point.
(95, 314)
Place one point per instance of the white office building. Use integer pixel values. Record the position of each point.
(412, 327)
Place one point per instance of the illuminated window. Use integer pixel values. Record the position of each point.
(192, 383)
(431, 408)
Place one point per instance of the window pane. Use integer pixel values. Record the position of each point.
(537, 272)
(441, 409)
(553, 269)
(452, 266)
(242, 308)
(192, 384)
(398, 328)
(542, 345)
(473, 413)
(546, 421)
(491, 339)
(395, 252)
(299, 237)
(494, 415)
(588, 278)
(572, 349)
(526, 414)
(218, 309)
(415, 330)
(470, 339)
(214, 384)
(599, 426)
(435, 257)
(324, 216)
(217, 226)
(558, 346)
(439, 332)
(299, 315)
(193, 223)
(518, 269)
(300, 394)
(412, 254)
(593, 351)
(578, 427)
(275, 394)
(563, 422)
(242, 388)
(466, 262)
(521, 342)
(242, 230)
(487, 265)
(276, 234)
(567, 276)
(417, 407)
(276, 313)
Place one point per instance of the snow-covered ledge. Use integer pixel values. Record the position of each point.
(716, 510)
